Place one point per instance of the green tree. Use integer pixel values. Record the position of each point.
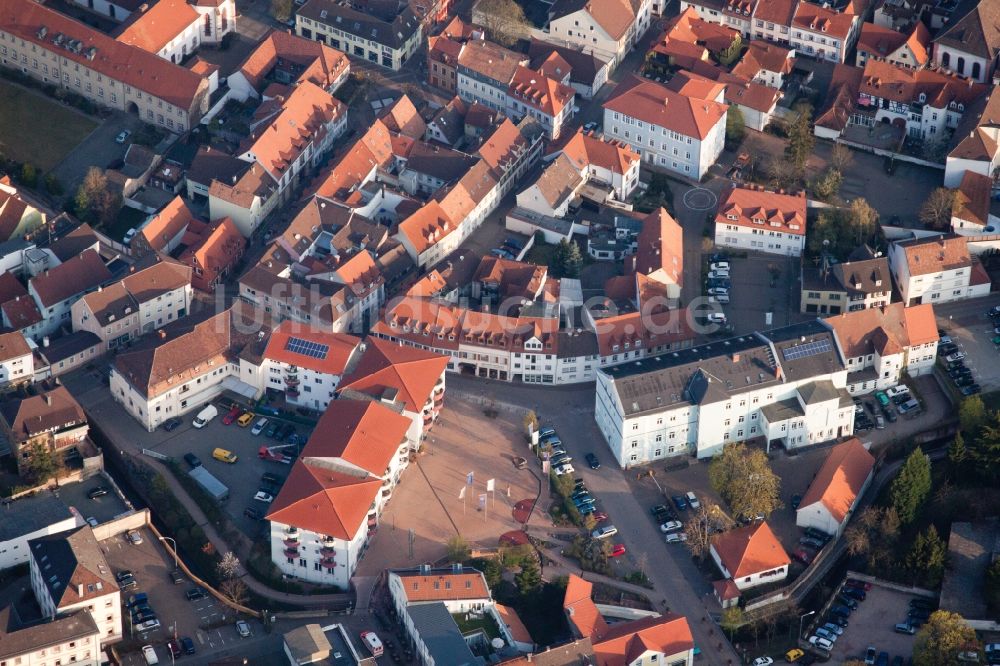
(942, 638)
(927, 558)
(29, 174)
(736, 127)
(912, 486)
(972, 415)
(984, 452)
(94, 201)
(42, 464)
(503, 20)
(937, 209)
(529, 578)
(52, 185)
(743, 477)
(957, 454)
(281, 10)
(828, 184)
(732, 619)
(800, 138)
(567, 259)
(458, 549)
(863, 220)
(991, 589)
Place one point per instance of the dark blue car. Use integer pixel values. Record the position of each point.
(680, 502)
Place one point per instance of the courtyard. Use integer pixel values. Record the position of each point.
(39, 130)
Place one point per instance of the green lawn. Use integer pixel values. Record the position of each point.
(485, 623)
(38, 130)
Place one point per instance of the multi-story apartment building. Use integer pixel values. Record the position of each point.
(863, 281)
(671, 130)
(173, 29)
(51, 423)
(607, 29)
(936, 270)
(144, 300)
(56, 290)
(306, 364)
(57, 50)
(31, 517)
(820, 31)
(70, 574)
(930, 103)
(387, 34)
(753, 218)
(74, 636)
(905, 50)
(321, 521)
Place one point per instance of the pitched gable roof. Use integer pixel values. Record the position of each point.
(324, 501)
(581, 611)
(33, 415)
(166, 224)
(745, 551)
(152, 27)
(13, 345)
(443, 586)
(973, 198)
(321, 64)
(977, 33)
(935, 254)
(84, 272)
(413, 373)
(284, 347)
(660, 106)
(73, 566)
(891, 327)
(364, 434)
(839, 481)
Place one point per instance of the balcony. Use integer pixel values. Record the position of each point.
(291, 542)
(328, 551)
(291, 552)
(291, 530)
(328, 563)
(291, 380)
(438, 399)
(292, 392)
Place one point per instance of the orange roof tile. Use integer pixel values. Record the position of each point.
(539, 91)
(624, 642)
(888, 329)
(413, 373)
(689, 28)
(365, 434)
(82, 272)
(660, 106)
(750, 94)
(427, 226)
(151, 28)
(402, 117)
(749, 550)
(323, 65)
(660, 248)
(809, 16)
(764, 55)
(643, 331)
(324, 501)
(444, 586)
(214, 250)
(585, 149)
(166, 224)
(935, 254)
(839, 481)
(758, 208)
(884, 80)
(491, 60)
(580, 609)
(340, 348)
(973, 198)
(430, 285)
(514, 624)
(499, 148)
(114, 59)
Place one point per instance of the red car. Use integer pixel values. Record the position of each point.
(600, 516)
(233, 414)
(175, 649)
(618, 550)
(803, 556)
(854, 582)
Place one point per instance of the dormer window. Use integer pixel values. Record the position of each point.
(793, 226)
(731, 216)
(922, 97)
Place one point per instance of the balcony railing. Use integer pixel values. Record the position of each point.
(291, 552)
(291, 530)
(291, 542)
(328, 563)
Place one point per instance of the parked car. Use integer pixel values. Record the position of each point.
(604, 532)
(904, 628)
(821, 643)
(900, 389)
(677, 537)
(763, 661)
(99, 491)
(718, 291)
(261, 496)
(175, 649)
(592, 461)
(890, 414)
(957, 356)
(124, 574)
(253, 514)
(272, 429)
(618, 550)
(971, 389)
(834, 628)
(134, 537)
(187, 645)
(870, 656)
(908, 407)
(564, 469)
(838, 620)
(882, 398)
(233, 413)
(847, 601)
(176, 577)
(717, 317)
(811, 542)
(803, 556)
(796, 501)
(195, 593)
(827, 634)
(854, 592)
(671, 526)
(246, 418)
(242, 628)
(680, 502)
(259, 426)
(882, 659)
(172, 423)
(192, 460)
(854, 582)
(843, 611)
(794, 655)
(721, 265)
(693, 500)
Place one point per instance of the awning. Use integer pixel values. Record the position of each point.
(240, 388)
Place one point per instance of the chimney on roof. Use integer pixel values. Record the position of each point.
(79, 589)
(736, 357)
(48, 399)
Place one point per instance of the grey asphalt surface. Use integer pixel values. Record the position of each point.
(99, 149)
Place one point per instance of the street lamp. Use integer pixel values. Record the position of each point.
(170, 539)
(812, 612)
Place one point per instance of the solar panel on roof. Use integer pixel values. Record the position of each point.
(307, 348)
(807, 349)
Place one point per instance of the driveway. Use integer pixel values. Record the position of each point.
(98, 149)
(966, 322)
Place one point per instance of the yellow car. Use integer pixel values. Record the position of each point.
(224, 456)
(245, 419)
(794, 655)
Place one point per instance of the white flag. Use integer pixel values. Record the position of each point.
(482, 500)
(461, 493)
(490, 485)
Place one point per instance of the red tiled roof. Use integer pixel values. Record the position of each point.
(13, 345)
(586, 149)
(580, 609)
(816, 18)
(323, 501)
(935, 254)
(755, 208)
(323, 64)
(340, 347)
(888, 329)
(427, 226)
(625, 642)
(750, 94)
(643, 330)
(444, 586)
(660, 251)
(21, 312)
(411, 372)
(539, 91)
(660, 106)
(10, 287)
(839, 481)
(749, 550)
(402, 117)
(514, 624)
(690, 29)
(152, 27)
(764, 56)
(83, 272)
(214, 250)
(114, 59)
(883, 80)
(879, 40)
(973, 198)
(365, 434)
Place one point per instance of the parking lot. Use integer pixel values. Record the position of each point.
(872, 625)
(243, 477)
(102, 508)
(151, 565)
(762, 283)
(973, 334)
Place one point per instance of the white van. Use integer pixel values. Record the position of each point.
(149, 652)
(897, 391)
(373, 643)
(204, 416)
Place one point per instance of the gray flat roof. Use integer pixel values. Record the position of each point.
(441, 635)
(24, 516)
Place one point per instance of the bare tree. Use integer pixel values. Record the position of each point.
(235, 590)
(707, 520)
(863, 219)
(503, 21)
(937, 209)
(841, 157)
(781, 173)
